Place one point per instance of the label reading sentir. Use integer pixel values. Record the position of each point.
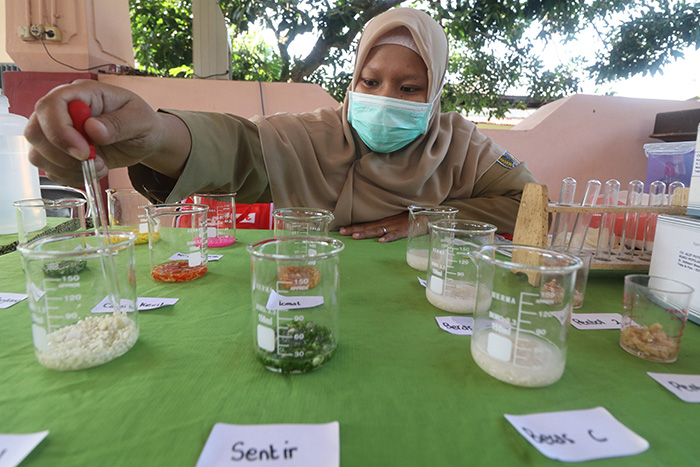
(290, 445)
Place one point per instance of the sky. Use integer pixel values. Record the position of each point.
(680, 80)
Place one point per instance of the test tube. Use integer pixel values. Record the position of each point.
(562, 220)
(583, 219)
(657, 191)
(635, 190)
(672, 187)
(611, 195)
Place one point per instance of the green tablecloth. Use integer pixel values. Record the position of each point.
(405, 392)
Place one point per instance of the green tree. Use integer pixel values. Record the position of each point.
(492, 41)
(162, 35)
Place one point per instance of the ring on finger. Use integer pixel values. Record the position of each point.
(383, 230)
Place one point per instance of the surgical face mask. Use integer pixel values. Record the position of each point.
(386, 124)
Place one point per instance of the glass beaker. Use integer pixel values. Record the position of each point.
(521, 337)
(418, 243)
(301, 221)
(586, 257)
(654, 313)
(81, 316)
(451, 281)
(127, 213)
(221, 218)
(295, 301)
(177, 241)
(38, 218)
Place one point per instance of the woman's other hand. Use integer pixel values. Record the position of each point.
(388, 229)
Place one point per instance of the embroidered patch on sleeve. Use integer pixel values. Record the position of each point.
(508, 161)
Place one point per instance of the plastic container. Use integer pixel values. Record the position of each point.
(18, 178)
(669, 162)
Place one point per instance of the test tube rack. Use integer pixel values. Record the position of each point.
(533, 221)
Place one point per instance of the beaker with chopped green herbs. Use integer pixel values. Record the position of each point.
(295, 303)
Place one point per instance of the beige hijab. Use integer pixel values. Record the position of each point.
(316, 159)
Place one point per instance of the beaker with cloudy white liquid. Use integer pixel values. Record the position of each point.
(451, 281)
(521, 337)
(418, 242)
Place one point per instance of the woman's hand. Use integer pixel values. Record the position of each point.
(389, 229)
(123, 127)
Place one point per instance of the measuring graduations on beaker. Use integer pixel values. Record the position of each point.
(521, 337)
(295, 302)
(451, 282)
(74, 321)
(177, 236)
(221, 218)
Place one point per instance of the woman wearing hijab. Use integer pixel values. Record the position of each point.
(387, 147)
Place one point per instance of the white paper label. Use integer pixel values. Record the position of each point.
(143, 304)
(143, 228)
(460, 325)
(183, 256)
(266, 338)
(288, 302)
(8, 299)
(14, 448)
(578, 435)
(194, 259)
(290, 445)
(211, 232)
(588, 321)
(686, 387)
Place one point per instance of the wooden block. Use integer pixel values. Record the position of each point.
(532, 223)
(531, 227)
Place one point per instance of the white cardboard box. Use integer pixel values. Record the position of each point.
(694, 195)
(676, 255)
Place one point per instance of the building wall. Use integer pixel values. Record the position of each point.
(587, 137)
(4, 56)
(243, 98)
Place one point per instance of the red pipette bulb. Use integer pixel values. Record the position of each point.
(79, 112)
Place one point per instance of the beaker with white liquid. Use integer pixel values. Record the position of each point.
(451, 281)
(295, 302)
(521, 337)
(418, 241)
